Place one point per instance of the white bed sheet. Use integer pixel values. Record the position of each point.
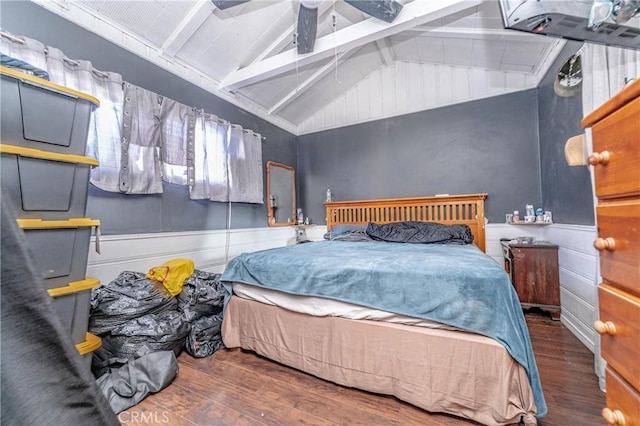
(320, 307)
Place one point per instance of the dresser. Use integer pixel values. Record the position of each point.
(615, 160)
(533, 269)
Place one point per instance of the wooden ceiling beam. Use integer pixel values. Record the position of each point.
(354, 36)
(199, 13)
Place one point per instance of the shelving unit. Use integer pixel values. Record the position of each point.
(45, 175)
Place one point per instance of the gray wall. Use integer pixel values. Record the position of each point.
(566, 191)
(489, 145)
(509, 146)
(172, 210)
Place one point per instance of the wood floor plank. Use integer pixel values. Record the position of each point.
(148, 413)
(242, 388)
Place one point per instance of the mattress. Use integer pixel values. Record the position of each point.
(316, 306)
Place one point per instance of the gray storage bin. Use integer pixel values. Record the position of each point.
(87, 348)
(37, 113)
(60, 248)
(45, 185)
(71, 302)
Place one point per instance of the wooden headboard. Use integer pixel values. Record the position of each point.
(465, 209)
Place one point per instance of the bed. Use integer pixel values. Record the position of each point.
(436, 325)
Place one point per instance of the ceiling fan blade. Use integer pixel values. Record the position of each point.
(387, 10)
(307, 27)
(226, 4)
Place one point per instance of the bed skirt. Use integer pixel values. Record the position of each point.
(438, 370)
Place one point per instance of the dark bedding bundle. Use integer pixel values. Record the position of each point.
(420, 232)
(129, 296)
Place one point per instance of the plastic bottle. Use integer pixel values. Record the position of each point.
(530, 211)
(329, 195)
(516, 216)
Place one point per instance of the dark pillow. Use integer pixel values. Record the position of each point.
(420, 232)
(343, 228)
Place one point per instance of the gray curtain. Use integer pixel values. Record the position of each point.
(141, 172)
(141, 138)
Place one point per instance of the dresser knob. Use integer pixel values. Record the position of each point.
(605, 327)
(602, 244)
(599, 158)
(613, 417)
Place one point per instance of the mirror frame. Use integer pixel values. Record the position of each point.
(270, 213)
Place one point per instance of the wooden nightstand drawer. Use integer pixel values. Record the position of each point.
(619, 327)
(622, 401)
(615, 157)
(619, 244)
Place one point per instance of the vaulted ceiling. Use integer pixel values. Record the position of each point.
(435, 53)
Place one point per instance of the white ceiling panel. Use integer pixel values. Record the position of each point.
(458, 51)
(364, 62)
(431, 50)
(488, 53)
(151, 19)
(404, 47)
(246, 53)
(525, 54)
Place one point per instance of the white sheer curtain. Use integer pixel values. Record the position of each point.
(211, 172)
(245, 166)
(178, 142)
(105, 128)
(605, 71)
(24, 49)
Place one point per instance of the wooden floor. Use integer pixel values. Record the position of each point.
(241, 388)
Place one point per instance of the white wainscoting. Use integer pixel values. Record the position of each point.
(495, 231)
(208, 249)
(578, 259)
(579, 273)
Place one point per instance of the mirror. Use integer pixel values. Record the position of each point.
(281, 194)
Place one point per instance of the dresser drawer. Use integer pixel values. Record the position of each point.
(622, 401)
(620, 347)
(619, 244)
(617, 136)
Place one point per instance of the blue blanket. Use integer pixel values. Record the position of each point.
(458, 285)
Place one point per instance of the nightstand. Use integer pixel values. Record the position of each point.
(533, 269)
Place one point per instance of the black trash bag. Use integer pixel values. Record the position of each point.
(202, 296)
(127, 297)
(144, 373)
(166, 331)
(205, 337)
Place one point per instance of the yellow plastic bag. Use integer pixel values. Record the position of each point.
(172, 274)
